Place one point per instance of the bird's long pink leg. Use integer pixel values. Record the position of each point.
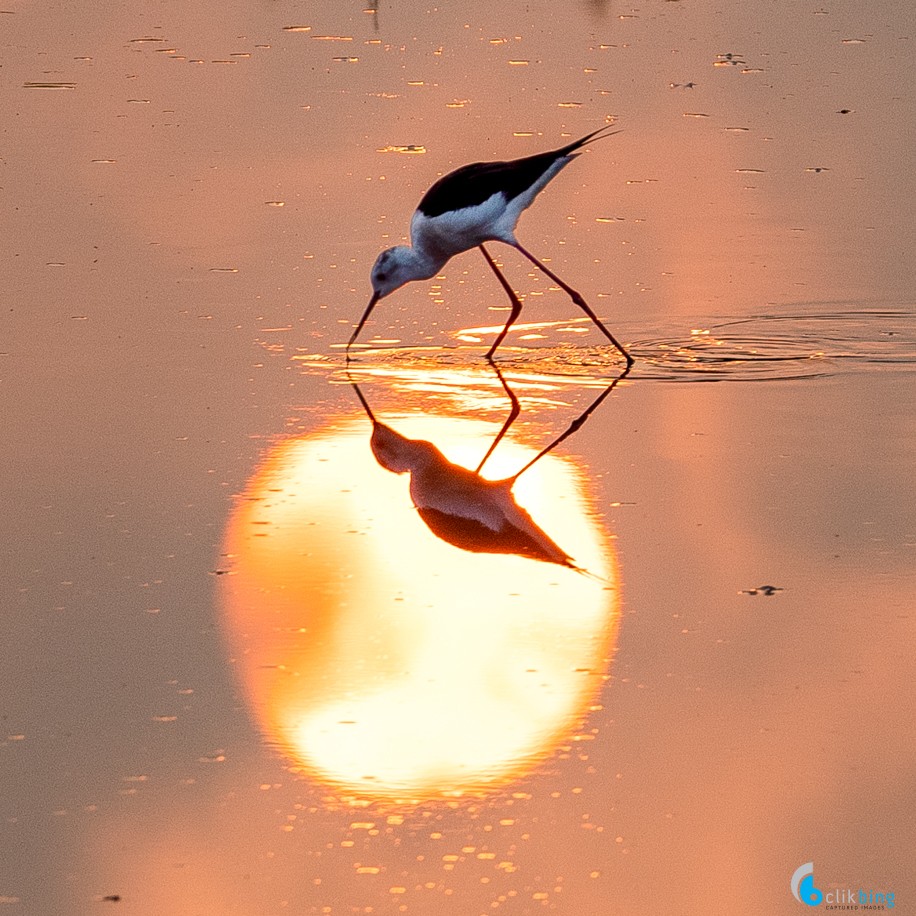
(577, 298)
(516, 302)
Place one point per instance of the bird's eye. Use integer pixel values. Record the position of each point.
(381, 277)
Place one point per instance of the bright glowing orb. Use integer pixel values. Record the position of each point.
(389, 663)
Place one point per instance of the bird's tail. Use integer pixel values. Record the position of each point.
(582, 571)
(598, 134)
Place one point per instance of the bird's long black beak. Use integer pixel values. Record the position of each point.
(375, 298)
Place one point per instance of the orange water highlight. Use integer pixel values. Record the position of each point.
(388, 663)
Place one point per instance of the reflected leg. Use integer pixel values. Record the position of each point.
(576, 424)
(513, 414)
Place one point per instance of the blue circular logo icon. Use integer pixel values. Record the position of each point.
(803, 889)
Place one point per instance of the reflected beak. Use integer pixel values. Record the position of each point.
(375, 298)
(364, 402)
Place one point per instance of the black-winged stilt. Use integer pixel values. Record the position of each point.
(478, 203)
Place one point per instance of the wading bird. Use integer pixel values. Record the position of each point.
(478, 203)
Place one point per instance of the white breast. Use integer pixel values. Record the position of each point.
(455, 231)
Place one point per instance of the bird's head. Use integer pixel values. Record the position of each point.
(392, 269)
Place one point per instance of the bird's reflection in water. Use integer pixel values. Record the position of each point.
(460, 505)
(381, 660)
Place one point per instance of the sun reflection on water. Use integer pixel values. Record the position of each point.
(388, 663)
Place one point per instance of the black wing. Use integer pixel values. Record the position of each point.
(475, 537)
(475, 183)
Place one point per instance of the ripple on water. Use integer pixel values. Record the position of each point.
(810, 341)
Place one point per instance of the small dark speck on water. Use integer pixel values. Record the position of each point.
(767, 590)
(112, 898)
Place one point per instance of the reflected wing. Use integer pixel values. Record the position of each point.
(472, 535)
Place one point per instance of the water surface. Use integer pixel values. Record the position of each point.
(243, 673)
